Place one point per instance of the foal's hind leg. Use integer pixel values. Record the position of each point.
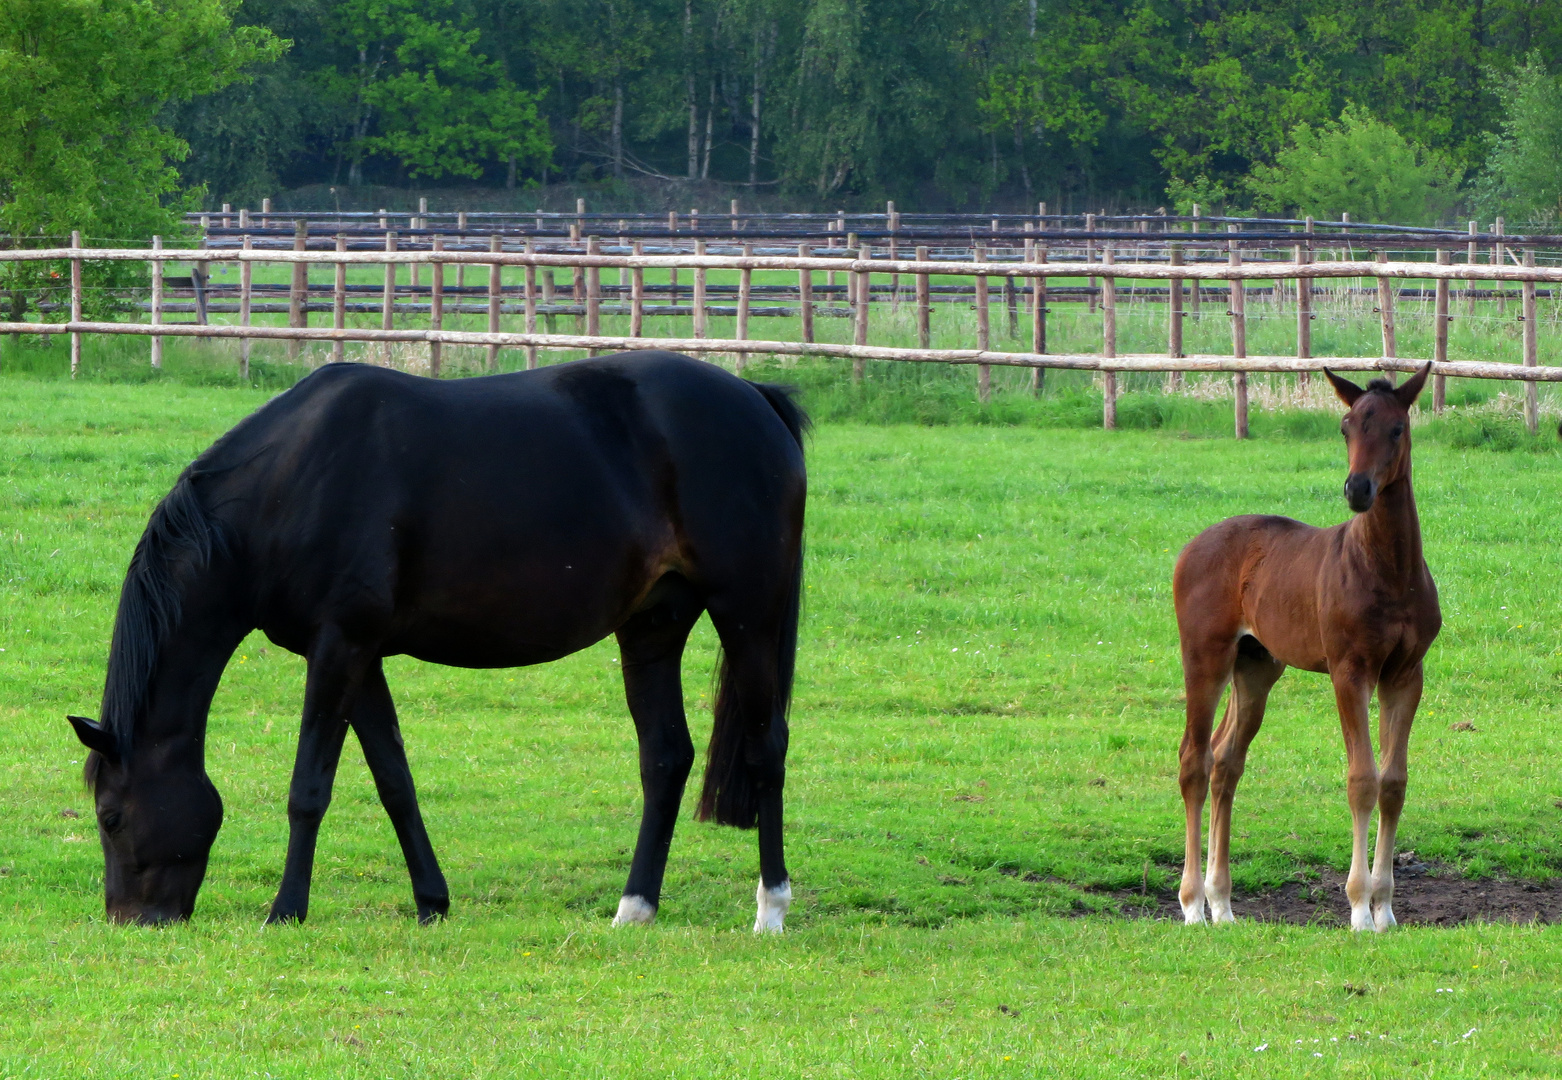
(1397, 703)
(1253, 675)
(374, 722)
(336, 668)
(651, 646)
(1206, 668)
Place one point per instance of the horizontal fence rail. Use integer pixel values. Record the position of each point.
(1014, 273)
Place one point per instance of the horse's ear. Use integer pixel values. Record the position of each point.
(95, 736)
(1346, 390)
(1407, 393)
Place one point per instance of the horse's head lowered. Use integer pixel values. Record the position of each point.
(1377, 434)
(158, 816)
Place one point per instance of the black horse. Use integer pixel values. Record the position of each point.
(486, 522)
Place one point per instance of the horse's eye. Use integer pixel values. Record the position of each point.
(110, 820)
(1399, 429)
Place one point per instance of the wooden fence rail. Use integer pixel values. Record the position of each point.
(588, 293)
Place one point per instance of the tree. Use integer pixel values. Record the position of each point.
(82, 86)
(426, 97)
(1357, 165)
(1523, 177)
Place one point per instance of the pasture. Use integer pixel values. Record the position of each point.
(982, 799)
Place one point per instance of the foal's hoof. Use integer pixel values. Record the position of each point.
(634, 911)
(1383, 917)
(773, 905)
(283, 916)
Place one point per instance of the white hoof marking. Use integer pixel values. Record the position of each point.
(1193, 914)
(634, 911)
(1361, 916)
(773, 905)
(1383, 917)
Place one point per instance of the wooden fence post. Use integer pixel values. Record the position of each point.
(1531, 354)
(530, 302)
(1193, 300)
(420, 224)
(246, 299)
(637, 295)
(1440, 336)
(984, 372)
(593, 293)
(265, 214)
(1472, 256)
(924, 304)
(1011, 299)
(894, 254)
(298, 293)
(339, 302)
(157, 304)
(1304, 308)
(1109, 340)
(75, 304)
(1174, 318)
(745, 287)
(436, 305)
(577, 289)
(1386, 292)
(1238, 293)
(699, 292)
(805, 292)
(388, 302)
(495, 291)
(851, 278)
(1038, 321)
(1497, 259)
(461, 244)
(864, 293)
(1090, 257)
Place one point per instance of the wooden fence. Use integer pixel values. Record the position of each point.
(1022, 281)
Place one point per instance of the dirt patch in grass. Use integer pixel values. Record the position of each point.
(1424, 895)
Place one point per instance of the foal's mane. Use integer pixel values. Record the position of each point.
(1381, 385)
(180, 530)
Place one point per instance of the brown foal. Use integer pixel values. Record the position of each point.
(1257, 593)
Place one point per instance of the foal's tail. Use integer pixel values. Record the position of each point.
(731, 792)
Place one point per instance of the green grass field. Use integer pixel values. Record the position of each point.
(984, 748)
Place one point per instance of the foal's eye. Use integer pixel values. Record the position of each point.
(1399, 429)
(110, 820)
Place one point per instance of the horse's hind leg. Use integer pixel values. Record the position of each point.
(374, 722)
(1397, 703)
(1253, 675)
(651, 647)
(747, 769)
(336, 669)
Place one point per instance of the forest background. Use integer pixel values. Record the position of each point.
(1408, 110)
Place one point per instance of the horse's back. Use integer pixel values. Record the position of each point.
(504, 519)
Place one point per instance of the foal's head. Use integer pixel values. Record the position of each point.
(1377, 434)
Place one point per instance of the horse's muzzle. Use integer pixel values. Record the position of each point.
(1360, 490)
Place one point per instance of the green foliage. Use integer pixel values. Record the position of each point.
(1523, 177)
(82, 84)
(1360, 166)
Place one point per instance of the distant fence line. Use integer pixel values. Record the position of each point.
(909, 283)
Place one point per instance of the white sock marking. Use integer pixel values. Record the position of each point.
(772, 907)
(634, 911)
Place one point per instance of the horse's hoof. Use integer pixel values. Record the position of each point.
(634, 911)
(1383, 917)
(432, 910)
(772, 907)
(283, 916)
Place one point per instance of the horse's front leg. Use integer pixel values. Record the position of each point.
(374, 721)
(1398, 700)
(1352, 692)
(335, 670)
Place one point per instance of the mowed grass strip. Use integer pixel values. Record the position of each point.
(984, 738)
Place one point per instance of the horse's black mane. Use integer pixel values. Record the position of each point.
(180, 529)
(1381, 385)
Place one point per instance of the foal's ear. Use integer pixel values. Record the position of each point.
(1407, 393)
(95, 736)
(1347, 391)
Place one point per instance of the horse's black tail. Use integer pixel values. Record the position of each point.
(179, 531)
(731, 792)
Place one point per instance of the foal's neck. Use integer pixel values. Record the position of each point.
(1390, 532)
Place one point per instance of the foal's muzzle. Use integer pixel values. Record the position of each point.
(1360, 490)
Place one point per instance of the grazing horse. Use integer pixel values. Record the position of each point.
(1256, 593)
(487, 522)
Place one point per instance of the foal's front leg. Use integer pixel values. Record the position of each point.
(335, 670)
(1352, 691)
(1397, 703)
